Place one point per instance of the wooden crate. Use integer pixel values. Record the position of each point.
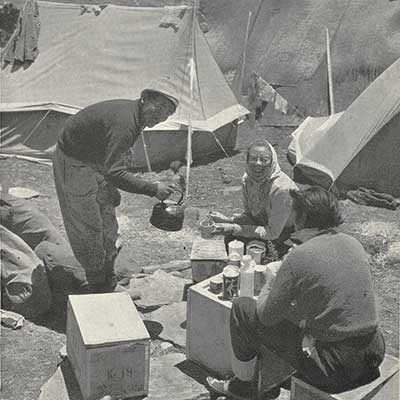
(208, 258)
(108, 346)
(208, 338)
(386, 387)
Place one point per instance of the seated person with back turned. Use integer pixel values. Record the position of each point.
(266, 201)
(319, 315)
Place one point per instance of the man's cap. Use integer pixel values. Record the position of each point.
(165, 87)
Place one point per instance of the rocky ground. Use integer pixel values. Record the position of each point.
(30, 356)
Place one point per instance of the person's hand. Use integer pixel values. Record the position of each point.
(219, 217)
(225, 229)
(261, 232)
(164, 191)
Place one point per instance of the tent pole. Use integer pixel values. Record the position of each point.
(191, 87)
(330, 78)
(146, 154)
(241, 77)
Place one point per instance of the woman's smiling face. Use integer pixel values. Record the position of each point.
(259, 160)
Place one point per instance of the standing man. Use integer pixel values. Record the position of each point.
(91, 163)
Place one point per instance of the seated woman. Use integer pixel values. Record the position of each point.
(266, 200)
(320, 313)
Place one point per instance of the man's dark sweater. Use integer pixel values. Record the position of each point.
(102, 135)
(326, 282)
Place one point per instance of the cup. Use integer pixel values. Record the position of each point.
(207, 228)
(256, 253)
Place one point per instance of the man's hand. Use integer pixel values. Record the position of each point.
(164, 191)
(219, 217)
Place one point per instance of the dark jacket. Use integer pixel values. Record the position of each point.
(326, 281)
(103, 135)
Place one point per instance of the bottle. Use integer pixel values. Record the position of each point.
(247, 277)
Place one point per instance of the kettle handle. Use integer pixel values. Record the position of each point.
(180, 199)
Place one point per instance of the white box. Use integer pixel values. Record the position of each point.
(386, 387)
(108, 346)
(208, 338)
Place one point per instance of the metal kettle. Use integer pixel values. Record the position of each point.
(168, 215)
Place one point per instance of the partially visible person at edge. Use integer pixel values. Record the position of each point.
(266, 201)
(319, 314)
(38, 268)
(90, 165)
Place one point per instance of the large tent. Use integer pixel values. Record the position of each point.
(93, 54)
(286, 45)
(358, 147)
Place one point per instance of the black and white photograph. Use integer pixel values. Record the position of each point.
(200, 199)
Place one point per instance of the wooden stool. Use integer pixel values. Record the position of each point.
(386, 387)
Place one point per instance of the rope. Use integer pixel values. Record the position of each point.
(220, 144)
(36, 126)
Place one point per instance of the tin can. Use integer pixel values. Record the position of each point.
(216, 283)
(236, 246)
(230, 277)
(234, 259)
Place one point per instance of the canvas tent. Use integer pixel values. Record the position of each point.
(287, 45)
(358, 147)
(86, 57)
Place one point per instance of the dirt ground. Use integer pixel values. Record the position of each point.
(30, 355)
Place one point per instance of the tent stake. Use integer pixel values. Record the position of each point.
(330, 79)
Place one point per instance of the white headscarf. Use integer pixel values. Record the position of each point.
(256, 188)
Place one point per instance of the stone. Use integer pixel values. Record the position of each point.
(176, 265)
(393, 253)
(169, 381)
(63, 352)
(23, 192)
(158, 289)
(62, 385)
(166, 345)
(173, 320)
(232, 189)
